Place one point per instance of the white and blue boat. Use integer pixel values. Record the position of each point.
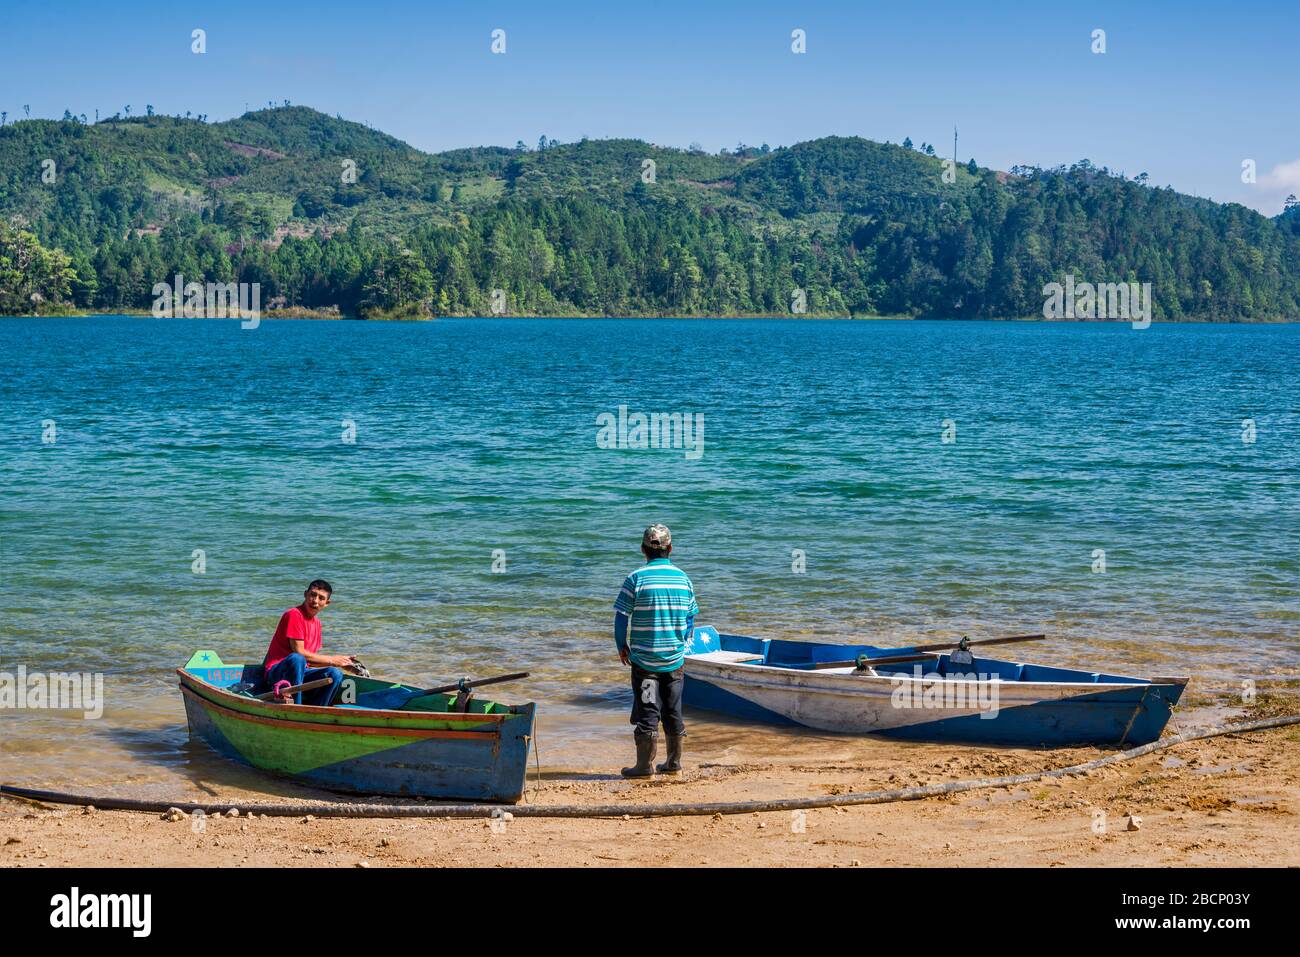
(924, 697)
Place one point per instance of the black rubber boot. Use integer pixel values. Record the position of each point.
(646, 746)
(674, 763)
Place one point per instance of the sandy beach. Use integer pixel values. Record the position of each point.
(1226, 801)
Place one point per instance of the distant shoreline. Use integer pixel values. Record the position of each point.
(327, 315)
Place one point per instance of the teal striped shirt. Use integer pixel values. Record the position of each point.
(659, 601)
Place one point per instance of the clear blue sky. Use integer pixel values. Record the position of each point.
(1185, 92)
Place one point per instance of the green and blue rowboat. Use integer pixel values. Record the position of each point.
(425, 749)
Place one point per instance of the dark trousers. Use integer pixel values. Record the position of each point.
(295, 671)
(657, 696)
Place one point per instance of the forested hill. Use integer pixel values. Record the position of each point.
(324, 212)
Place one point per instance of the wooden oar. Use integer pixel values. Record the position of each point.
(389, 699)
(307, 686)
(464, 683)
(919, 652)
(863, 659)
(982, 641)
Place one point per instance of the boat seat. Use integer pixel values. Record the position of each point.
(727, 657)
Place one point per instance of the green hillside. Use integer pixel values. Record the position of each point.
(325, 212)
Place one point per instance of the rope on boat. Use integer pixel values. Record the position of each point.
(342, 809)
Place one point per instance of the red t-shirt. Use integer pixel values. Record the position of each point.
(293, 624)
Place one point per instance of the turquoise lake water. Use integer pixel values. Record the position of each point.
(472, 436)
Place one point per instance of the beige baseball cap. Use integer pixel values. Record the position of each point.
(657, 536)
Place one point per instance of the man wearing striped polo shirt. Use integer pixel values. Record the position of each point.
(653, 618)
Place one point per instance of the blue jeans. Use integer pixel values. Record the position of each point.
(295, 671)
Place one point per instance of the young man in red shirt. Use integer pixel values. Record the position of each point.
(294, 655)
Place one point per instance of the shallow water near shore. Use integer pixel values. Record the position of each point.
(476, 441)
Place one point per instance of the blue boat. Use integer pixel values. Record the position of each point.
(927, 697)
